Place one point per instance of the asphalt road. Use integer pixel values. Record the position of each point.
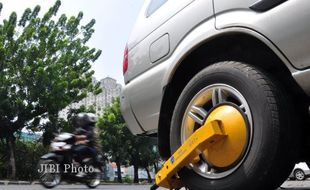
(76, 187)
(290, 185)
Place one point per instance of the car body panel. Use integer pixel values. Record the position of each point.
(200, 35)
(145, 95)
(160, 48)
(224, 5)
(144, 87)
(145, 25)
(163, 73)
(287, 34)
(147, 30)
(131, 121)
(148, 74)
(139, 57)
(302, 78)
(303, 166)
(233, 14)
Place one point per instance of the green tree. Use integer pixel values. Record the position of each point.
(133, 143)
(142, 153)
(148, 155)
(28, 155)
(45, 65)
(113, 135)
(122, 146)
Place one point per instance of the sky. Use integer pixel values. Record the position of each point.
(114, 22)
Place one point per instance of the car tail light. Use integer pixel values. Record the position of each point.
(125, 62)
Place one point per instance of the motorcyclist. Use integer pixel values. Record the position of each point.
(85, 137)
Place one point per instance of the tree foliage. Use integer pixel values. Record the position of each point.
(121, 146)
(143, 153)
(45, 65)
(113, 135)
(28, 155)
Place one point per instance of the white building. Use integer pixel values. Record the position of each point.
(110, 89)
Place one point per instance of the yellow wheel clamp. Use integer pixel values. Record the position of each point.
(188, 153)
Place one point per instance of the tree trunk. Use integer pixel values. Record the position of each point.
(119, 172)
(136, 172)
(148, 174)
(155, 167)
(12, 164)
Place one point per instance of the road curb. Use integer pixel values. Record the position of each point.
(15, 182)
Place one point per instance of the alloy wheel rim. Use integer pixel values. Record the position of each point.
(299, 175)
(196, 114)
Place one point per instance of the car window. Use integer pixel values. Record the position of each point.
(154, 5)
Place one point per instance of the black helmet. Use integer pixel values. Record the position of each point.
(83, 119)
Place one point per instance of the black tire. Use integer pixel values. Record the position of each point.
(94, 178)
(271, 155)
(299, 175)
(55, 175)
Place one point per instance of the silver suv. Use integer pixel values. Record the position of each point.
(191, 61)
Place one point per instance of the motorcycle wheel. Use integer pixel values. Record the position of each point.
(93, 180)
(49, 178)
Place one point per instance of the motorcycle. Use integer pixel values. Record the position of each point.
(59, 164)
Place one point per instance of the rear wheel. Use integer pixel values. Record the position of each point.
(299, 175)
(94, 177)
(257, 154)
(50, 176)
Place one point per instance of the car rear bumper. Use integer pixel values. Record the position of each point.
(307, 173)
(131, 121)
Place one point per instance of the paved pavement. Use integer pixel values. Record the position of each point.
(289, 185)
(297, 184)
